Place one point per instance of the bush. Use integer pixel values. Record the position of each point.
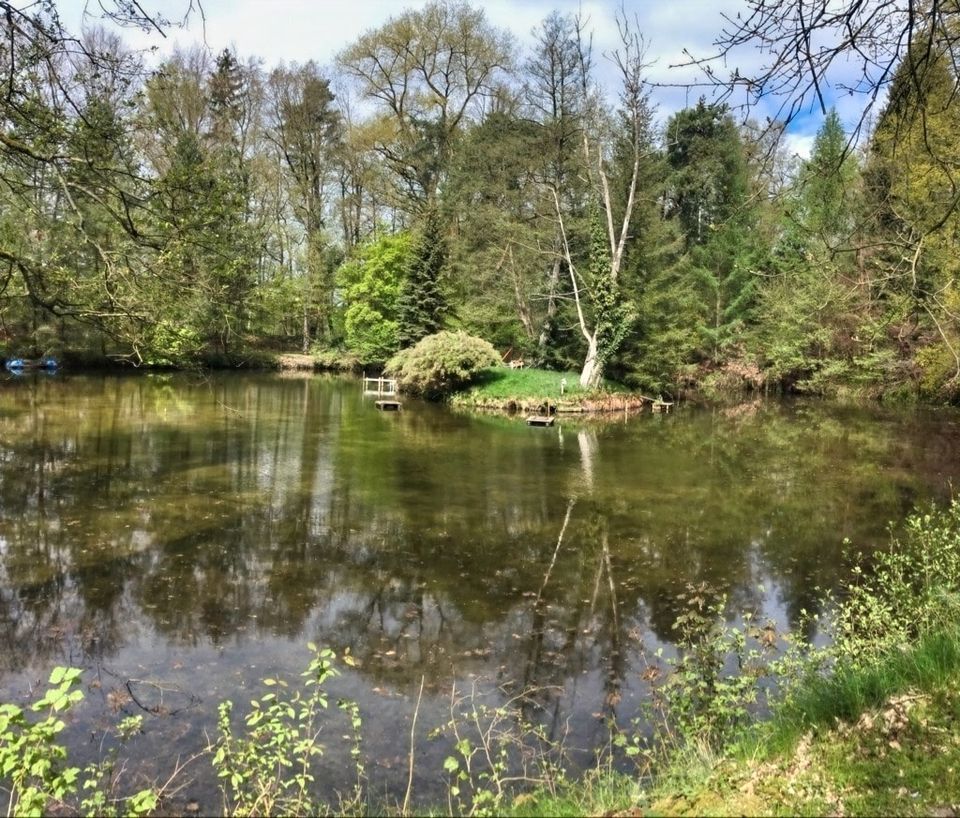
(442, 363)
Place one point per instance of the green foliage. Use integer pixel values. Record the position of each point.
(335, 360)
(442, 363)
(30, 757)
(667, 348)
(911, 589)
(370, 284)
(712, 684)
(828, 188)
(196, 213)
(34, 764)
(495, 270)
(425, 68)
(268, 769)
(422, 306)
(724, 271)
(709, 171)
(805, 328)
(495, 749)
(712, 205)
(613, 315)
(101, 781)
(206, 268)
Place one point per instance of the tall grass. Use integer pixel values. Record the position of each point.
(851, 690)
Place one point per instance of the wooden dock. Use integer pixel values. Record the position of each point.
(661, 405)
(388, 405)
(540, 420)
(379, 386)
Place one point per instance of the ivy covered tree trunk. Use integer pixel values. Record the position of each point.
(612, 314)
(592, 373)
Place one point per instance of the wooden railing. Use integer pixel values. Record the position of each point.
(379, 386)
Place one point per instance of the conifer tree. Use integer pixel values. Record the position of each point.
(710, 199)
(912, 190)
(422, 305)
(827, 185)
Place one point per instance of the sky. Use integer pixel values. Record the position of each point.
(300, 30)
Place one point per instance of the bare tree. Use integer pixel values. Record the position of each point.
(812, 46)
(603, 335)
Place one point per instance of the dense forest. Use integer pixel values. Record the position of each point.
(212, 209)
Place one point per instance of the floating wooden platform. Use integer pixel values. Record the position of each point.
(661, 405)
(540, 420)
(379, 386)
(388, 405)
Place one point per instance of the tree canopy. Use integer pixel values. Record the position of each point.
(440, 178)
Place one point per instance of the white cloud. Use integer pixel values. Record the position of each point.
(797, 144)
(300, 30)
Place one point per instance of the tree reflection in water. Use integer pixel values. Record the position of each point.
(207, 528)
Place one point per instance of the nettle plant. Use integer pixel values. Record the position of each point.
(31, 759)
(34, 766)
(717, 674)
(497, 750)
(911, 588)
(268, 768)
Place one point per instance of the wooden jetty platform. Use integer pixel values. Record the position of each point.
(379, 386)
(388, 405)
(540, 420)
(661, 405)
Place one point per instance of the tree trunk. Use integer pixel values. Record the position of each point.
(592, 372)
(306, 329)
(553, 284)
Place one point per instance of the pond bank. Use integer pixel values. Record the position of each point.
(575, 406)
(865, 726)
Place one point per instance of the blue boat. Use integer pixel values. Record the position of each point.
(18, 366)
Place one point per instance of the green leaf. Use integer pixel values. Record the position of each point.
(450, 764)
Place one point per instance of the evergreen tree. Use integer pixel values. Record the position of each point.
(807, 307)
(422, 304)
(710, 200)
(828, 186)
(912, 192)
(226, 90)
(494, 266)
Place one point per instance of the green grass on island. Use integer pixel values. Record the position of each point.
(505, 388)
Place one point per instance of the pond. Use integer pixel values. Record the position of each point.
(182, 537)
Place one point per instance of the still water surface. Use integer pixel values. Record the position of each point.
(183, 537)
